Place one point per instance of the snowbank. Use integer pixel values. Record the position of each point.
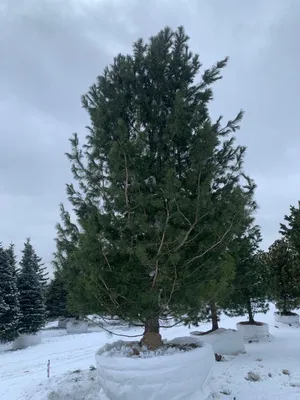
(24, 341)
(62, 323)
(73, 385)
(181, 375)
(292, 319)
(258, 331)
(76, 326)
(223, 341)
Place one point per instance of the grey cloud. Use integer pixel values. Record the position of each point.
(52, 51)
(50, 54)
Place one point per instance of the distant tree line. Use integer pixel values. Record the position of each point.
(22, 292)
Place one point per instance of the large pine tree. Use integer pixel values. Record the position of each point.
(9, 303)
(31, 297)
(159, 196)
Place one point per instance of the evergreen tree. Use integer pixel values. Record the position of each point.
(284, 260)
(222, 286)
(218, 288)
(284, 265)
(3, 307)
(160, 195)
(291, 229)
(9, 303)
(41, 270)
(56, 298)
(12, 259)
(249, 293)
(30, 293)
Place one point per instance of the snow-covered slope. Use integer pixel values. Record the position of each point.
(23, 373)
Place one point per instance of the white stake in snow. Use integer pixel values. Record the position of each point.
(48, 369)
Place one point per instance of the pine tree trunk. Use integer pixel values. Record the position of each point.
(250, 312)
(151, 337)
(284, 311)
(214, 315)
(152, 325)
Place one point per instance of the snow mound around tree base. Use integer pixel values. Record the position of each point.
(74, 327)
(176, 374)
(24, 341)
(73, 385)
(254, 332)
(291, 319)
(62, 323)
(223, 341)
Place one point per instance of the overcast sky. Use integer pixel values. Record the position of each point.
(51, 52)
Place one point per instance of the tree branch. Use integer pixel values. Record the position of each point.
(209, 249)
(161, 245)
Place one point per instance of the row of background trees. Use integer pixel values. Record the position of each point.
(23, 288)
(28, 299)
(260, 277)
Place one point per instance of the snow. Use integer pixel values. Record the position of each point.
(121, 349)
(24, 341)
(131, 351)
(286, 319)
(23, 373)
(78, 327)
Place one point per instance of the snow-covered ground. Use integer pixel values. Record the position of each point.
(23, 373)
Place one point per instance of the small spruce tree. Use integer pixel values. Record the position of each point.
(250, 288)
(217, 287)
(9, 303)
(220, 284)
(284, 267)
(32, 307)
(56, 298)
(290, 230)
